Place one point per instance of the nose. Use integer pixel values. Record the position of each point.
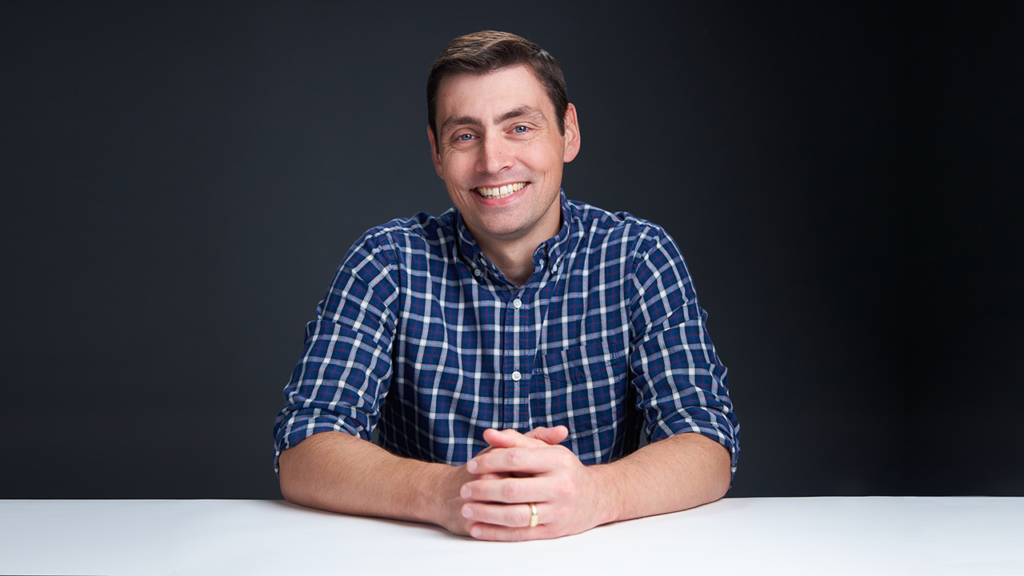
(495, 156)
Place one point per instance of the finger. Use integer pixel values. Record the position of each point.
(506, 534)
(509, 515)
(511, 439)
(507, 438)
(550, 436)
(488, 476)
(512, 460)
(508, 490)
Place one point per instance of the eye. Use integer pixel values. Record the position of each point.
(520, 129)
(464, 137)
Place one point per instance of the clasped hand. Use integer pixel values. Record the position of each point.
(522, 469)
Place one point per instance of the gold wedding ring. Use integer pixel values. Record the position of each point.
(533, 515)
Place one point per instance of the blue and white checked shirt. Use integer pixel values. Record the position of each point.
(423, 336)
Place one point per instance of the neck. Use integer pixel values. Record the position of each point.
(515, 257)
(515, 262)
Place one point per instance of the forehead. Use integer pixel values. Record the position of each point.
(487, 95)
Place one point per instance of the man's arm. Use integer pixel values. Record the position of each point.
(341, 473)
(673, 474)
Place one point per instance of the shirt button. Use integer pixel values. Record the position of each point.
(477, 272)
(516, 376)
(517, 303)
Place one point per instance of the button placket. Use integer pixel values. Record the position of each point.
(517, 327)
(515, 321)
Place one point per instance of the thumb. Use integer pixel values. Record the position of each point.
(506, 438)
(536, 438)
(550, 436)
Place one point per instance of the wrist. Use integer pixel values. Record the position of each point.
(436, 486)
(609, 494)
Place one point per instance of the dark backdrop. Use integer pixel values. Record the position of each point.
(179, 184)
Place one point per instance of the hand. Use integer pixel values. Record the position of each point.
(521, 469)
(453, 518)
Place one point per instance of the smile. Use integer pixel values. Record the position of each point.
(501, 191)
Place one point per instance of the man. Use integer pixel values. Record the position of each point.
(504, 347)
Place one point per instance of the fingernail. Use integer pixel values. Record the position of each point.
(471, 466)
(476, 532)
(465, 492)
(467, 512)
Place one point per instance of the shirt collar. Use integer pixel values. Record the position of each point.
(551, 251)
(468, 247)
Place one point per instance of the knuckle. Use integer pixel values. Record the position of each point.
(565, 487)
(515, 457)
(567, 458)
(512, 490)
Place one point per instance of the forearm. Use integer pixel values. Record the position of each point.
(337, 472)
(674, 474)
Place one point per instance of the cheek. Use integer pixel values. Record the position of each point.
(456, 167)
(546, 157)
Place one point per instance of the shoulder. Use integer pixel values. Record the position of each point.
(641, 250)
(419, 228)
(598, 227)
(421, 233)
(377, 260)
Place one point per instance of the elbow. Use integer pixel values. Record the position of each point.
(719, 466)
(290, 480)
(721, 484)
(288, 490)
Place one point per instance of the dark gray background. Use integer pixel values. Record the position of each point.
(844, 179)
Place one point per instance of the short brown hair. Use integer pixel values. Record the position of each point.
(488, 51)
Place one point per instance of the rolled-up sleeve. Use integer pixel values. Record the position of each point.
(345, 368)
(681, 384)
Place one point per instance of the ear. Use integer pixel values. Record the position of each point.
(572, 134)
(435, 154)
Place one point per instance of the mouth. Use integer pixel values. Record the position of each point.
(500, 191)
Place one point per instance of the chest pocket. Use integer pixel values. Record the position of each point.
(583, 388)
(597, 363)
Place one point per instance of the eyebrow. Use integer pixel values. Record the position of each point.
(519, 112)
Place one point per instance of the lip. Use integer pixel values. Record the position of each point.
(500, 184)
(495, 202)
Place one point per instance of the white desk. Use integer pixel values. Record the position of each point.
(752, 536)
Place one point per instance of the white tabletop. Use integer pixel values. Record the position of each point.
(790, 536)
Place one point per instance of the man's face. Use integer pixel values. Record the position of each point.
(500, 155)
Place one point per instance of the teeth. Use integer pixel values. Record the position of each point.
(501, 192)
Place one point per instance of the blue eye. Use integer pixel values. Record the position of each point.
(520, 129)
(465, 137)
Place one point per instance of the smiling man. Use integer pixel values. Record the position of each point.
(511, 351)
(500, 149)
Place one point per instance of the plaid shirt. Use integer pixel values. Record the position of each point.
(422, 336)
